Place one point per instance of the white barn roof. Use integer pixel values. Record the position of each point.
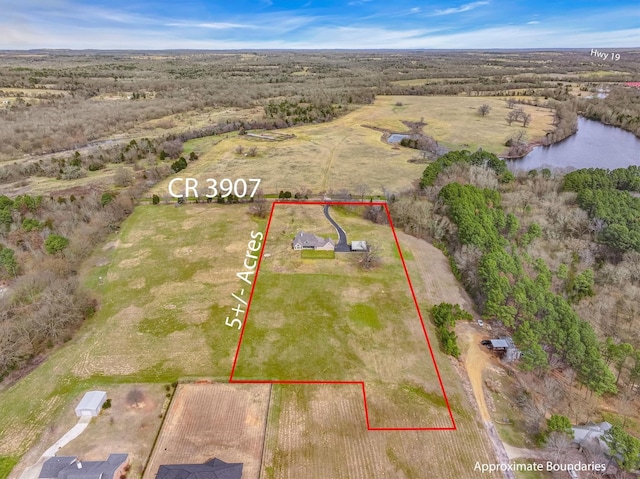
(91, 403)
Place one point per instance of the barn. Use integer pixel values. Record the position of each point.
(91, 403)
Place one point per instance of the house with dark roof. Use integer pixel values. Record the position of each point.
(212, 469)
(310, 241)
(69, 467)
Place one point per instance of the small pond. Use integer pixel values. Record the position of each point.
(397, 137)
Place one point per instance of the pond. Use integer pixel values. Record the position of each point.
(594, 146)
(397, 137)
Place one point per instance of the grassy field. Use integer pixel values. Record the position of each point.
(331, 320)
(344, 154)
(164, 284)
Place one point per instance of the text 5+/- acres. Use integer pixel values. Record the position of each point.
(223, 188)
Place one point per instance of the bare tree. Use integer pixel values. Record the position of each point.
(123, 177)
(361, 189)
(260, 207)
(526, 119)
(559, 444)
(510, 103)
(484, 109)
(253, 151)
(370, 258)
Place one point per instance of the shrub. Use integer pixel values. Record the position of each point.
(107, 404)
(155, 200)
(55, 243)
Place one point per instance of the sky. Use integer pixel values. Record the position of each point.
(314, 24)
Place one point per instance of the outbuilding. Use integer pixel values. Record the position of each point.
(91, 403)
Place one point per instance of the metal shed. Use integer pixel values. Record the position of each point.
(91, 403)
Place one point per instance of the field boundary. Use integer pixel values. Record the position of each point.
(361, 383)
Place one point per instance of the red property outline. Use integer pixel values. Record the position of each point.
(361, 383)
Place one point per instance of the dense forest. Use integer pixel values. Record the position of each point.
(495, 251)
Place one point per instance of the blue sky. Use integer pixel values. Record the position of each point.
(163, 24)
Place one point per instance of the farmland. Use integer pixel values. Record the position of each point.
(318, 431)
(346, 152)
(213, 420)
(165, 290)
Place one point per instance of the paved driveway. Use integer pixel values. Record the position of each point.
(32, 472)
(341, 245)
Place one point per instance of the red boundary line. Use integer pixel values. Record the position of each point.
(361, 383)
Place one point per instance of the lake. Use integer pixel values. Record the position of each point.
(594, 146)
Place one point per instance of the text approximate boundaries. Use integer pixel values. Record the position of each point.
(361, 383)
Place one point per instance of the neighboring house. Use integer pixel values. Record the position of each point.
(505, 348)
(91, 403)
(213, 469)
(310, 241)
(69, 467)
(590, 433)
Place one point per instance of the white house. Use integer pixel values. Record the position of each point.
(91, 403)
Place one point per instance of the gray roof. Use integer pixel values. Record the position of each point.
(66, 467)
(53, 466)
(588, 432)
(309, 239)
(213, 469)
(92, 400)
(499, 343)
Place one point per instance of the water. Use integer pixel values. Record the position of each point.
(594, 146)
(397, 138)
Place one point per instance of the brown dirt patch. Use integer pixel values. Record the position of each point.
(127, 427)
(226, 421)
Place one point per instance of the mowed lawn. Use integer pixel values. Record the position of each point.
(345, 154)
(330, 320)
(164, 286)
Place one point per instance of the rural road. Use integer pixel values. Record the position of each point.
(341, 245)
(32, 472)
(475, 361)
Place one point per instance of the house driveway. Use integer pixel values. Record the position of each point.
(341, 245)
(32, 472)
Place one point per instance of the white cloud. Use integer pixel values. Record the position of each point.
(209, 25)
(462, 8)
(534, 22)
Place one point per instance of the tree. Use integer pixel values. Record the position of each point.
(8, 261)
(260, 207)
(55, 243)
(370, 258)
(484, 109)
(526, 119)
(123, 177)
(560, 424)
(155, 199)
(623, 448)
